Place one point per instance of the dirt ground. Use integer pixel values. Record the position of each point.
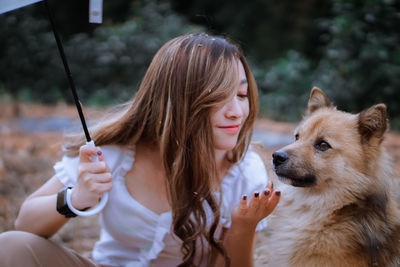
(26, 161)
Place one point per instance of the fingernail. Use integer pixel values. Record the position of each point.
(266, 192)
(244, 197)
(99, 152)
(278, 193)
(256, 194)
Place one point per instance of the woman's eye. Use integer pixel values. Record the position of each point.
(322, 146)
(242, 96)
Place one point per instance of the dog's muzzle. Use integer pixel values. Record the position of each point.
(279, 157)
(288, 174)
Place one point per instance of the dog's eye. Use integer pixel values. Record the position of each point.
(322, 145)
(296, 137)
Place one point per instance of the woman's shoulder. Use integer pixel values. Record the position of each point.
(249, 172)
(114, 156)
(250, 164)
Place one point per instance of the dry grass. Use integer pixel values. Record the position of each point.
(26, 161)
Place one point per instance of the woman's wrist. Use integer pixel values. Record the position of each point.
(243, 226)
(74, 200)
(87, 212)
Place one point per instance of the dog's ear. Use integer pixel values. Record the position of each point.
(318, 99)
(373, 122)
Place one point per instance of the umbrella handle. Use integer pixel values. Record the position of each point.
(95, 209)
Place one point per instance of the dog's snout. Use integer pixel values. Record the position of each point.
(279, 157)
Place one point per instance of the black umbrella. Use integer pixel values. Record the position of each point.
(95, 16)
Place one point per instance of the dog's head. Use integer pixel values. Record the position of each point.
(331, 145)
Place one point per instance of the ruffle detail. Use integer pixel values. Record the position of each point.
(164, 221)
(158, 245)
(62, 173)
(225, 222)
(127, 161)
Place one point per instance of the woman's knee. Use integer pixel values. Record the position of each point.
(15, 239)
(26, 249)
(17, 245)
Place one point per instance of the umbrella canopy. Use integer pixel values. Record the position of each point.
(8, 5)
(95, 8)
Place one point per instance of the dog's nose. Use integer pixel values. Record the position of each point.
(279, 157)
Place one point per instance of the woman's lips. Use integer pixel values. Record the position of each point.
(231, 129)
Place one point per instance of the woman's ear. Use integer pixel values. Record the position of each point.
(318, 99)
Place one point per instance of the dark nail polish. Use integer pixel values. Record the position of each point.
(99, 152)
(244, 197)
(278, 193)
(256, 194)
(266, 192)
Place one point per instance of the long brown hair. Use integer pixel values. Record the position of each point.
(186, 78)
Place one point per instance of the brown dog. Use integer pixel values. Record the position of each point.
(337, 206)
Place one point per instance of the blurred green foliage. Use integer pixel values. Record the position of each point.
(361, 63)
(265, 29)
(284, 86)
(107, 64)
(359, 66)
(348, 48)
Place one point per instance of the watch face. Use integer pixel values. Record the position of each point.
(62, 206)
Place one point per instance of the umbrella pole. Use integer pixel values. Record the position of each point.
(104, 199)
(68, 72)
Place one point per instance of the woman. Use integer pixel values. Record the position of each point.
(176, 164)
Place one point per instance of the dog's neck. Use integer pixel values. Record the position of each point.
(328, 199)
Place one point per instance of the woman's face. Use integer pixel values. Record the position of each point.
(228, 119)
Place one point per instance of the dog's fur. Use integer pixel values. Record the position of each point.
(337, 206)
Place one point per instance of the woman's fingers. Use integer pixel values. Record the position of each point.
(243, 205)
(102, 178)
(265, 195)
(100, 154)
(93, 167)
(267, 202)
(243, 202)
(90, 181)
(90, 188)
(89, 178)
(255, 202)
(94, 177)
(273, 201)
(100, 188)
(86, 153)
(270, 186)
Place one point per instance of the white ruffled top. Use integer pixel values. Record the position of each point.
(133, 235)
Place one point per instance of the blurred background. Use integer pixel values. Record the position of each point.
(348, 48)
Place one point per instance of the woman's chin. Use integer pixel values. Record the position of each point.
(225, 147)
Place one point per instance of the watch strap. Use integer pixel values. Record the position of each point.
(62, 205)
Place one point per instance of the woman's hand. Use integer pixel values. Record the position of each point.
(239, 239)
(94, 178)
(261, 205)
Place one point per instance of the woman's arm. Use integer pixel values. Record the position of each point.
(239, 239)
(239, 242)
(38, 213)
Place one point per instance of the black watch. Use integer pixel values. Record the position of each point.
(62, 206)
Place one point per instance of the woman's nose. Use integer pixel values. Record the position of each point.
(233, 109)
